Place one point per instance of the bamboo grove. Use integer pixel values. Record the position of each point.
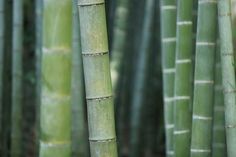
(117, 78)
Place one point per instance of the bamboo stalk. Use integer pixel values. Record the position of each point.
(183, 82)
(94, 43)
(228, 73)
(79, 131)
(218, 143)
(202, 118)
(55, 110)
(2, 35)
(120, 40)
(17, 72)
(168, 35)
(38, 53)
(140, 81)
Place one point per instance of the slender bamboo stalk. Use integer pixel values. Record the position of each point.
(218, 143)
(228, 73)
(2, 28)
(79, 131)
(168, 35)
(55, 111)
(183, 82)
(120, 39)
(38, 51)
(141, 74)
(97, 78)
(7, 77)
(202, 117)
(16, 114)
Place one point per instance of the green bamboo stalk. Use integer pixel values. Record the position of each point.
(2, 28)
(38, 53)
(94, 43)
(202, 117)
(17, 95)
(228, 73)
(119, 40)
(55, 110)
(7, 80)
(79, 131)
(183, 79)
(218, 143)
(141, 74)
(168, 35)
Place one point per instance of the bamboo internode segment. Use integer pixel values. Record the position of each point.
(228, 73)
(94, 44)
(168, 38)
(55, 109)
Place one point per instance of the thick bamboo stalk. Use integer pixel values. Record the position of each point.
(219, 141)
(168, 35)
(202, 118)
(79, 131)
(183, 82)
(141, 74)
(228, 73)
(55, 110)
(17, 72)
(94, 43)
(2, 29)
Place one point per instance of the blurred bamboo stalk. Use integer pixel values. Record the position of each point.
(2, 42)
(17, 78)
(168, 36)
(98, 85)
(218, 142)
(79, 131)
(55, 109)
(140, 81)
(228, 73)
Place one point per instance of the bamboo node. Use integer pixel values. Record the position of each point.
(202, 43)
(169, 71)
(207, 1)
(94, 54)
(183, 61)
(169, 99)
(169, 126)
(225, 14)
(229, 91)
(182, 97)
(103, 140)
(198, 117)
(99, 98)
(230, 126)
(179, 132)
(168, 7)
(227, 54)
(84, 4)
(182, 23)
(55, 144)
(204, 82)
(169, 40)
(200, 150)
